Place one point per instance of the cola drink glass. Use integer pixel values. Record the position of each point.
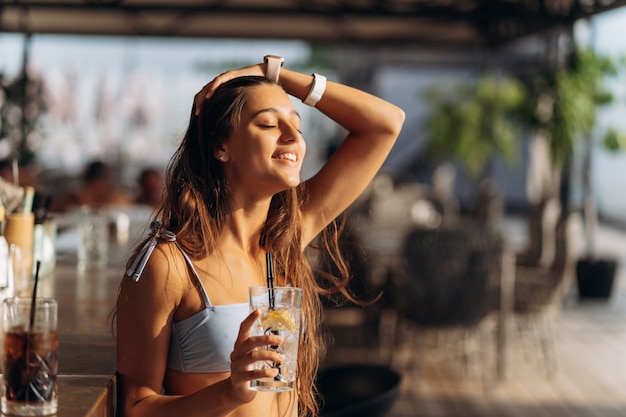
(30, 349)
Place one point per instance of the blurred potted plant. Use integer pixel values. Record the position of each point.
(563, 105)
(472, 123)
(22, 103)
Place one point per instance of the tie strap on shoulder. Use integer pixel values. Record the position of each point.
(156, 233)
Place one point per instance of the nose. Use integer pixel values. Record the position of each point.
(289, 133)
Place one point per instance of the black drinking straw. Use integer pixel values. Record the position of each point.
(270, 293)
(270, 278)
(31, 323)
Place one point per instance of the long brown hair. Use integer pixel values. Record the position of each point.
(196, 208)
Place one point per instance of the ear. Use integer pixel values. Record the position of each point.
(221, 155)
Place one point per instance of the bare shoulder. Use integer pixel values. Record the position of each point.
(162, 283)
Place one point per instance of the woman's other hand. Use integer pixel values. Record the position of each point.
(208, 90)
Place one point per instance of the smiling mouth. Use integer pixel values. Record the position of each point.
(287, 157)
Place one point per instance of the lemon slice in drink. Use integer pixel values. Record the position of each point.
(278, 320)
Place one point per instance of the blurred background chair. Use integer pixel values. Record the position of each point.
(488, 204)
(541, 223)
(349, 329)
(540, 292)
(385, 216)
(448, 288)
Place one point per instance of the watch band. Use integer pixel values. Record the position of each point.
(317, 90)
(273, 64)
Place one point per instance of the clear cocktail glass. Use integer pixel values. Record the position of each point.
(280, 315)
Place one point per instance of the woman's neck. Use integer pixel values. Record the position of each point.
(244, 226)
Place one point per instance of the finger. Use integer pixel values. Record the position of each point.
(208, 90)
(260, 355)
(246, 325)
(269, 355)
(254, 342)
(217, 81)
(251, 350)
(252, 374)
(244, 364)
(198, 99)
(200, 95)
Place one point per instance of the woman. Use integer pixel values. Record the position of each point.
(233, 194)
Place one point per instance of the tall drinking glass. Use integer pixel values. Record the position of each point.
(280, 315)
(29, 357)
(93, 237)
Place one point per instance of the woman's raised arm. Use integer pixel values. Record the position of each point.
(373, 126)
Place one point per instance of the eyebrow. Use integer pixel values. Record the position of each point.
(274, 110)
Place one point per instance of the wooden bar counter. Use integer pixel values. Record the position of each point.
(86, 340)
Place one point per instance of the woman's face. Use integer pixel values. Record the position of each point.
(265, 152)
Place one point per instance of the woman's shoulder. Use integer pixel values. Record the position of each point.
(167, 261)
(164, 274)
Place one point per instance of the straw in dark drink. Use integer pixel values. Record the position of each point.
(26, 367)
(31, 322)
(33, 301)
(270, 279)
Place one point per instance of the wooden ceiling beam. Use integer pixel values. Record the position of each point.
(467, 22)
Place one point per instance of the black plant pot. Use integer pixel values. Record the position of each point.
(358, 390)
(595, 277)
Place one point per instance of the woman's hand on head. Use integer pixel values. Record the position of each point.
(245, 353)
(208, 90)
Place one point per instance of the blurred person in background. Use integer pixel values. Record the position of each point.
(150, 187)
(97, 188)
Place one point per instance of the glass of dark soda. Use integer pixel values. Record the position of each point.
(29, 357)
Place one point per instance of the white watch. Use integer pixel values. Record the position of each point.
(273, 64)
(317, 90)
